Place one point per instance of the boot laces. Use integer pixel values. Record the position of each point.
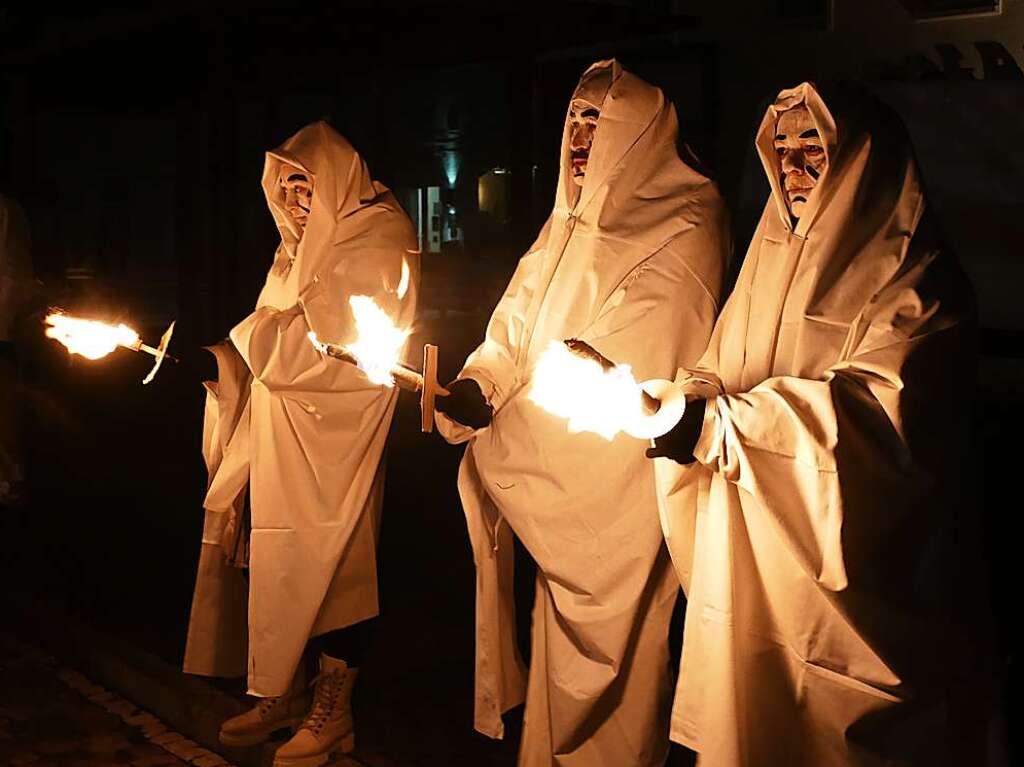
(325, 697)
(266, 705)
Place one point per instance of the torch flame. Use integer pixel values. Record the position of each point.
(89, 338)
(579, 389)
(379, 345)
(403, 283)
(317, 343)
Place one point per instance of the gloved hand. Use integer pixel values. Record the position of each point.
(678, 444)
(588, 352)
(194, 363)
(465, 403)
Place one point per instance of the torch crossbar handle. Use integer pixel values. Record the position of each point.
(431, 388)
(159, 352)
(406, 378)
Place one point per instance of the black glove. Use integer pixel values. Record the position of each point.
(465, 403)
(194, 363)
(678, 444)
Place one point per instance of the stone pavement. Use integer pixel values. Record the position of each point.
(53, 716)
(144, 714)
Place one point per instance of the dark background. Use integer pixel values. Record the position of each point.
(134, 139)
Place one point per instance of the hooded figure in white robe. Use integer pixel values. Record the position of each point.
(813, 532)
(303, 434)
(630, 262)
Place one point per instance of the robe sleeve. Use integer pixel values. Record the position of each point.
(493, 364)
(226, 430)
(275, 343)
(835, 461)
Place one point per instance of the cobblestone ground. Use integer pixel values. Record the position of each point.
(52, 716)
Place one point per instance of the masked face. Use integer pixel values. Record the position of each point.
(802, 156)
(298, 194)
(582, 126)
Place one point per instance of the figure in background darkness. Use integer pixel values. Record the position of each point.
(15, 288)
(301, 437)
(630, 260)
(817, 525)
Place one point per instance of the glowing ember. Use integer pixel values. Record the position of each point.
(579, 389)
(89, 338)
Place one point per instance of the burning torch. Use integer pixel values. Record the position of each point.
(400, 374)
(574, 381)
(94, 340)
(378, 348)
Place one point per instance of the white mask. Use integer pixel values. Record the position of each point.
(298, 194)
(801, 155)
(583, 117)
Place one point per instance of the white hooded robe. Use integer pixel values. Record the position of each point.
(303, 432)
(810, 536)
(631, 263)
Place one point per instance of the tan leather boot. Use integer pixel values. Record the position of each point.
(328, 727)
(269, 714)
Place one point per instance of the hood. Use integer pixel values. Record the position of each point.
(870, 162)
(634, 143)
(865, 210)
(342, 185)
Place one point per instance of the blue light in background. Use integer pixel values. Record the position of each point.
(452, 164)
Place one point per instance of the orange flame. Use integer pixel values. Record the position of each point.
(89, 338)
(319, 345)
(599, 401)
(569, 386)
(403, 283)
(379, 344)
